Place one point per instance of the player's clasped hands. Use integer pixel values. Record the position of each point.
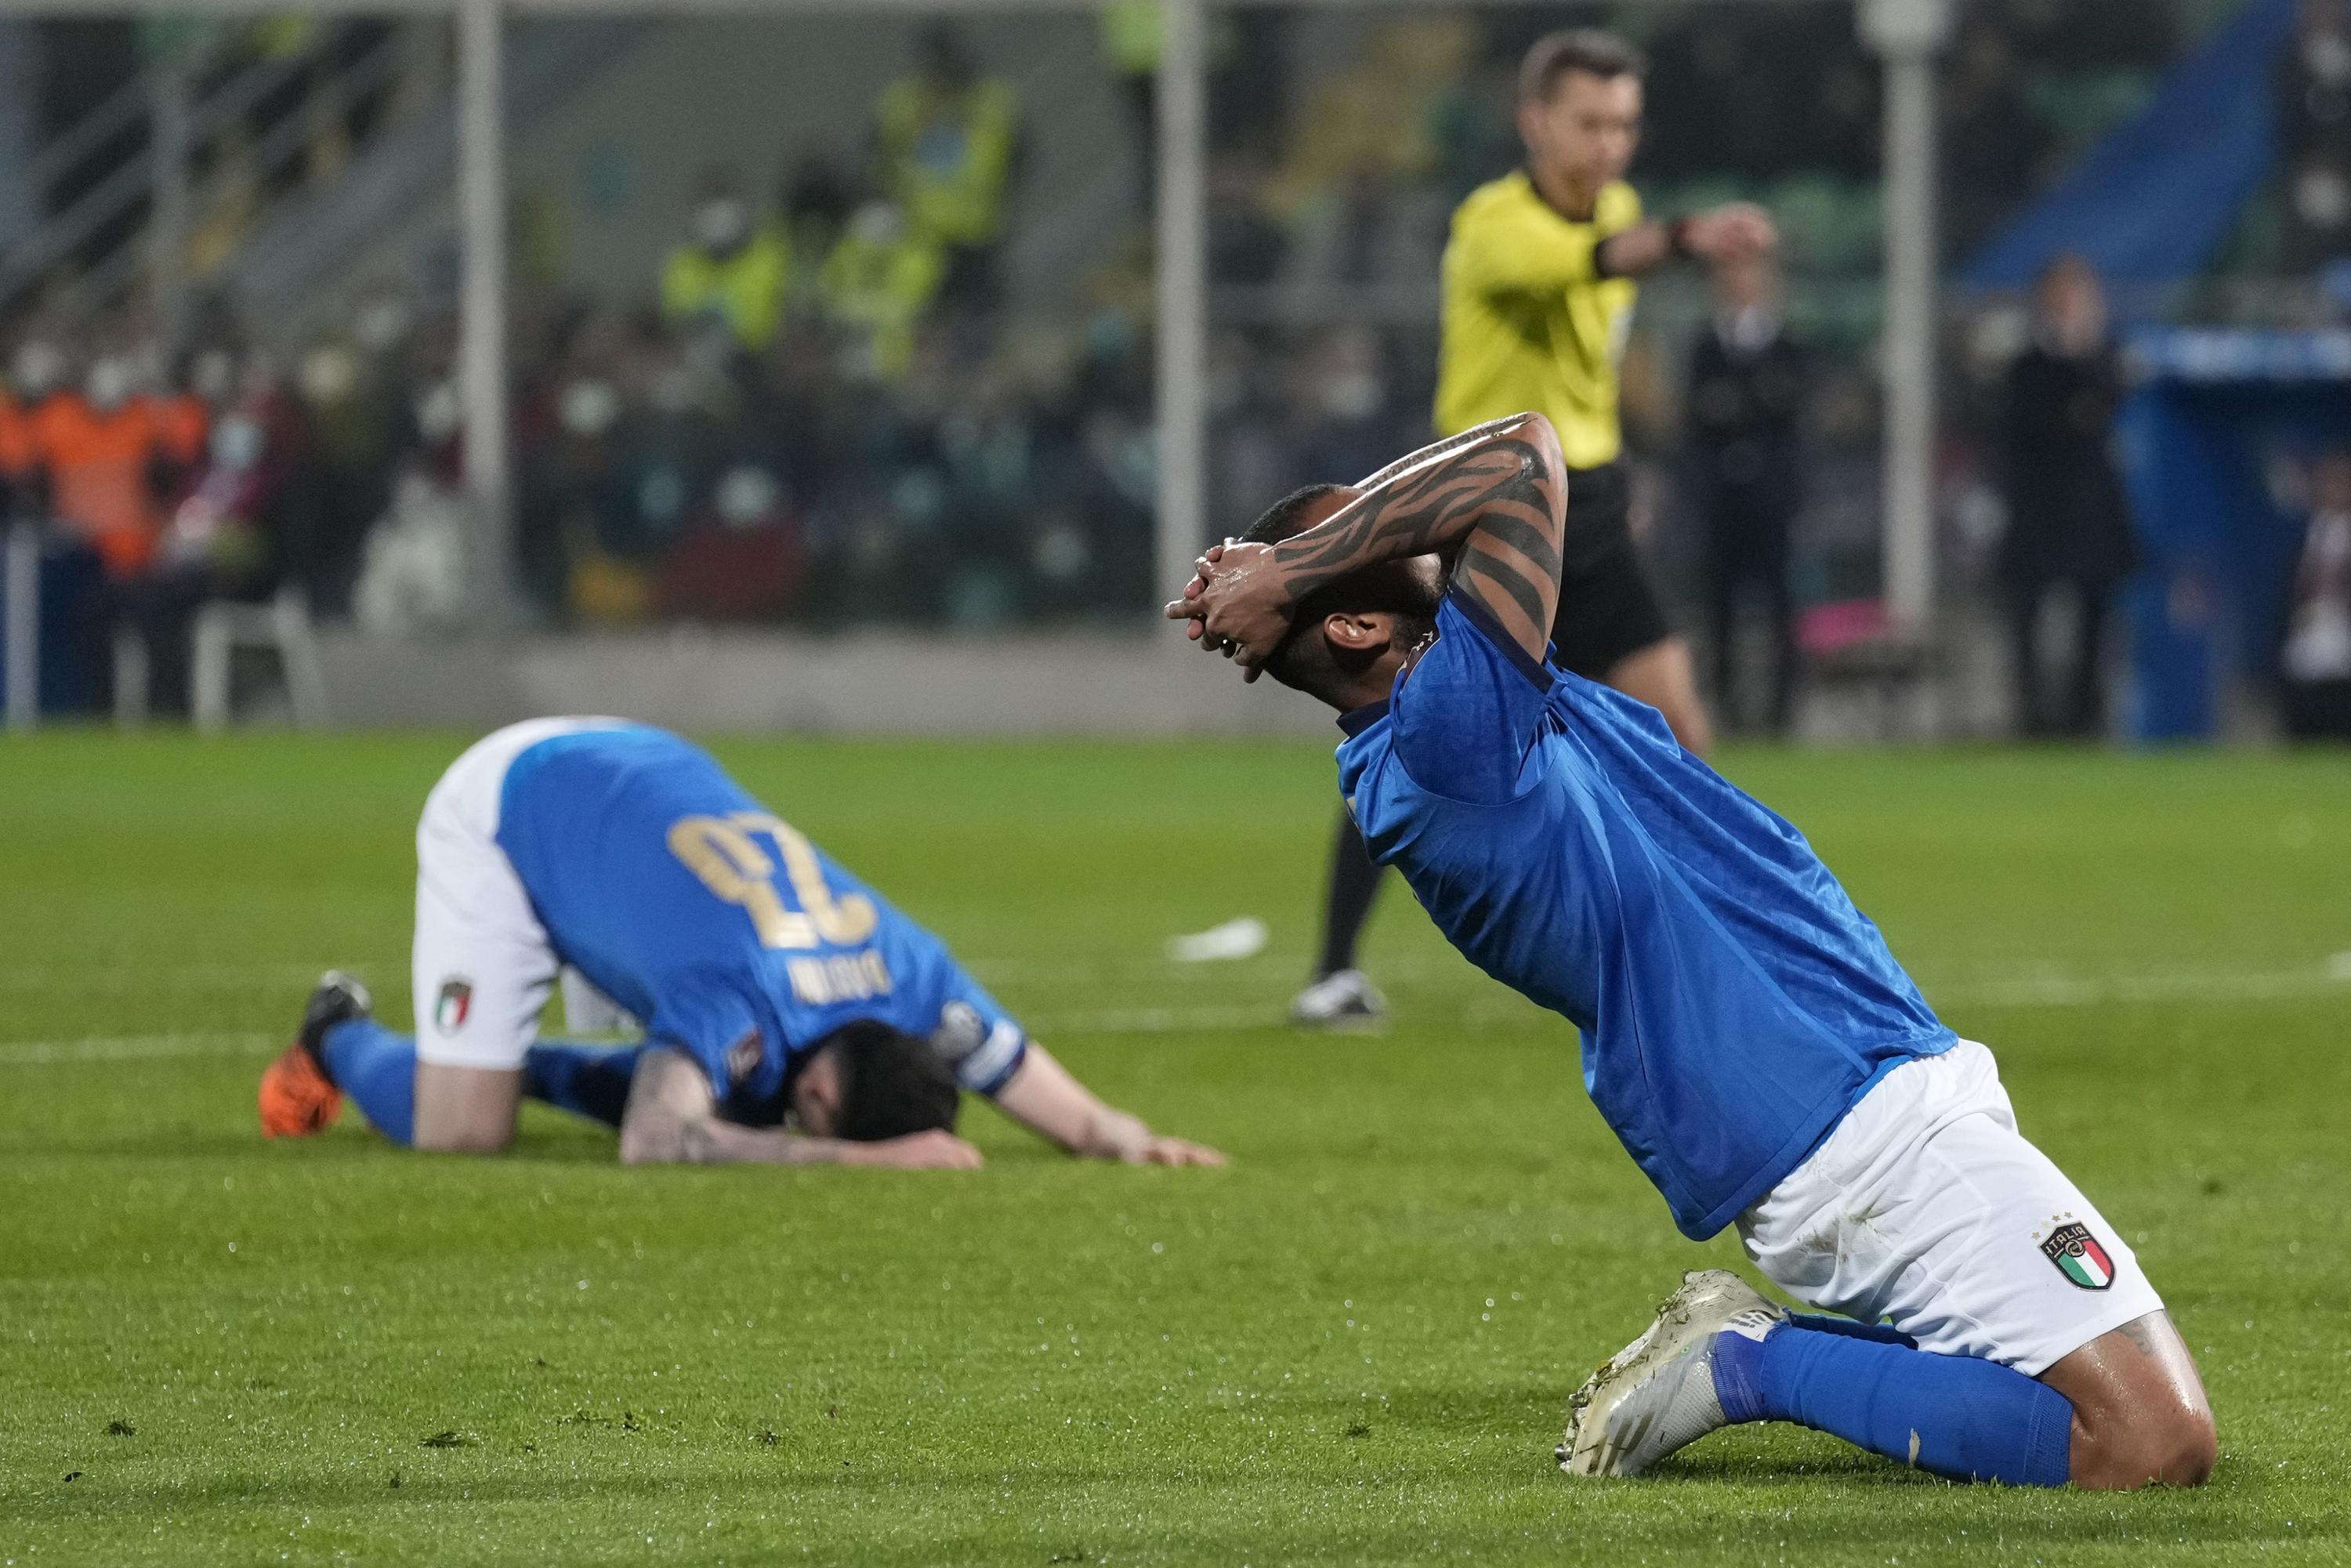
(1234, 603)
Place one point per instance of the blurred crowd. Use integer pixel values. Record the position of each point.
(828, 413)
(820, 412)
(831, 406)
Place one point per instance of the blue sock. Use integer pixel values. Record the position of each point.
(1956, 1416)
(591, 1080)
(378, 1070)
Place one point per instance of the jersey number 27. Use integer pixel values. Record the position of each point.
(724, 854)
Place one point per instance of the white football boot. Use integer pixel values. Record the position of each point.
(1341, 1003)
(1657, 1395)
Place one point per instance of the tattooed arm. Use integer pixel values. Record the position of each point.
(1493, 500)
(1436, 449)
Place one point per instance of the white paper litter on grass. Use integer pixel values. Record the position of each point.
(1242, 938)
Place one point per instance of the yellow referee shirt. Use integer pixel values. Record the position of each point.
(1528, 323)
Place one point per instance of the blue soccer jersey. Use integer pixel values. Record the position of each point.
(725, 930)
(1733, 1001)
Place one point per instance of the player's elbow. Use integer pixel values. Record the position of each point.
(1544, 462)
(1534, 425)
(651, 1141)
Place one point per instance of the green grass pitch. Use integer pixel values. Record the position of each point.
(1354, 1345)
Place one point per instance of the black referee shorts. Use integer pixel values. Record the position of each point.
(1608, 610)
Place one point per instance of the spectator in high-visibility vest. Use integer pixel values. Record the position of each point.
(945, 140)
(1131, 42)
(732, 270)
(877, 284)
(108, 457)
(35, 370)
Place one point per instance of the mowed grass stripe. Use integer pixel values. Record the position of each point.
(2023, 993)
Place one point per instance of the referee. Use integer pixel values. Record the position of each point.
(1539, 277)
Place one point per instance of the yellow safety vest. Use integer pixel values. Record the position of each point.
(746, 289)
(879, 291)
(946, 160)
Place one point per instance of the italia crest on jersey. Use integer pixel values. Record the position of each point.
(2078, 1256)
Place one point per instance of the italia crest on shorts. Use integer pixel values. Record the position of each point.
(2078, 1256)
(457, 1000)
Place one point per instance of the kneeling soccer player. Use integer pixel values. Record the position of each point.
(1745, 1031)
(791, 1015)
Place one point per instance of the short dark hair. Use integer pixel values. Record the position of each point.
(1286, 518)
(1307, 662)
(891, 1083)
(1585, 49)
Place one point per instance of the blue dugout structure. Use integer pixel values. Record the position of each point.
(2214, 418)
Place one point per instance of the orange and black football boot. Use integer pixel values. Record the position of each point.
(297, 1097)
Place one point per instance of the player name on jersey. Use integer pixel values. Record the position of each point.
(843, 977)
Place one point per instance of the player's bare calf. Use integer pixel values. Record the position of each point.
(2140, 1412)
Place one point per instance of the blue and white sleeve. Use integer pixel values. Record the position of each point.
(982, 1042)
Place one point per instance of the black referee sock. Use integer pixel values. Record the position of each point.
(1354, 884)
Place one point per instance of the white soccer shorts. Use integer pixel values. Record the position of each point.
(1927, 1209)
(482, 963)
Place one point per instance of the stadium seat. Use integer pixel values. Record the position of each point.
(1851, 646)
(129, 677)
(282, 626)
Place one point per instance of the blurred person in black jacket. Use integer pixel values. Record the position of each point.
(2317, 658)
(2068, 524)
(1746, 385)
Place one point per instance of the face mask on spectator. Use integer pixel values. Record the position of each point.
(1352, 395)
(108, 384)
(213, 375)
(437, 413)
(2326, 55)
(746, 495)
(381, 323)
(878, 224)
(415, 492)
(330, 373)
(237, 442)
(1060, 553)
(589, 408)
(722, 224)
(36, 368)
(2322, 197)
(149, 366)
